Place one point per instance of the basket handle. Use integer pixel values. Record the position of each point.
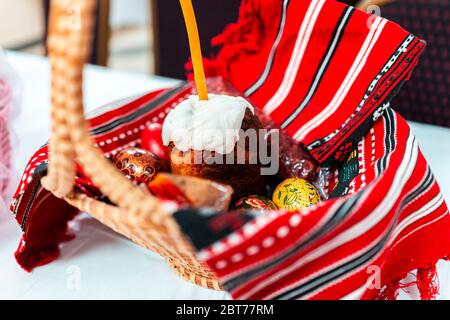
(69, 43)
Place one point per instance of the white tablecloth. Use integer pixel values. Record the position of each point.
(99, 264)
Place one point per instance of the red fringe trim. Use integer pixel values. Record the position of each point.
(40, 257)
(427, 283)
(390, 291)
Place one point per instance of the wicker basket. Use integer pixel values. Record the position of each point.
(136, 214)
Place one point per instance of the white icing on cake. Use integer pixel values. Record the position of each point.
(201, 125)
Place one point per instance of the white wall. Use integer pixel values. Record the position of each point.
(21, 21)
(129, 12)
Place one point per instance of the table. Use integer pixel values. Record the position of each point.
(99, 264)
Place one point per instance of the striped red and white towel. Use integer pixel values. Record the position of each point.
(326, 73)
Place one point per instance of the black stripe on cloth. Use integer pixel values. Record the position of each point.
(337, 217)
(429, 180)
(390, 138)
(389, 141)
(36, 186)
(342, 270)
(262, 78)
(393, 89)
(157, 101)
(39, 172)
(328, 55)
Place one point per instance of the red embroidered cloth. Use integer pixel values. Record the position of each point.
(326, 73)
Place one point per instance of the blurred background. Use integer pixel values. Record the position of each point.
(127, 35)
(148, 36)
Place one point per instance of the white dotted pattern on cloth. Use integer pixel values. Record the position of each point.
(235, 239)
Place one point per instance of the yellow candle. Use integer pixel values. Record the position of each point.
(196, 51)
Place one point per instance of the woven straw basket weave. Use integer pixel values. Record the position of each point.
(136, 214)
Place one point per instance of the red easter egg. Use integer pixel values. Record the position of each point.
(139, 165)
(255, 203)
(151, 140)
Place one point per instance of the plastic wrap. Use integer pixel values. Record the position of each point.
(9, 102)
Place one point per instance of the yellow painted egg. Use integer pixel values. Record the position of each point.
(295, 194)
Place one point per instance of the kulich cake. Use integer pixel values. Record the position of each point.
(203, 135)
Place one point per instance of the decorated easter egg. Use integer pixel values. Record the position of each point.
(295, 194)
(151, 140)
(255, 203)
(139, 165)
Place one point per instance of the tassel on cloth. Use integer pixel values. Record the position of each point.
(244, 37)
(390, 291)
(427, 283)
